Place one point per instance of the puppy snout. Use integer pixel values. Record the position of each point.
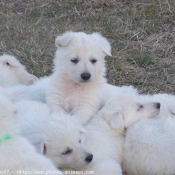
(86, 76)
(157, 105)
(89, 158)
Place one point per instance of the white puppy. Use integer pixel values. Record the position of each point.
(57, 136)
(78, 77)
(13, 72)
(149, 147)
(167, 103)
(62, 139)
(36, 91)
(131, 108)
(110, 91)
(16, 153)
(105, 132)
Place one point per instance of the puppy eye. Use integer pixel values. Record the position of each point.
(79, 141)
(7, 63)
(68, 151)
(172, 113)
(140, 107)
(93, 61)
(75, 60)
(45, 150)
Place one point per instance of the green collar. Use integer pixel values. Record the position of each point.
(5, 138)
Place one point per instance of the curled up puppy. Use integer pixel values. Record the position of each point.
(16, 153)
(106, 131)
(13, 72)
(57, 136)
(149, 147)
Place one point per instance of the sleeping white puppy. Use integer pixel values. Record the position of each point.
(78, 76)
(62, 139)
(16, 153)
(59, 137)
(150, 147)
(105, 132)
(13, 72)
(167, 103)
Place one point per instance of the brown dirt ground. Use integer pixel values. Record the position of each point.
(142, 34)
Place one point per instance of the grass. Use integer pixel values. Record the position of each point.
(142, 59)
(141, 32)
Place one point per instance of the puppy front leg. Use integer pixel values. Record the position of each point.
(56, 103)
(84, 114)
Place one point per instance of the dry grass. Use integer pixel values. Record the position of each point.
(142, 33)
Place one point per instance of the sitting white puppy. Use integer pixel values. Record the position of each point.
(149, 147)
(78, 77)
(59, 137)
(13, 72)
(16, 153)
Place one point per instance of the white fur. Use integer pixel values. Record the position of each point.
(149, 147)
(68, 91)
(105, 132)
(167, 103)
(104, 137)
(150, 144)
(53, 134)
(106, 166)
(110, 91)
(17, 153)
(36, 91)
(13, 72)
(58, 131)
(132, 108)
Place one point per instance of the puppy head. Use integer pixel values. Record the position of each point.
(10, 61)
(139, 110)
(65, 144)
(80, 56)
(128, 107)
(15, 70)
(167, 104)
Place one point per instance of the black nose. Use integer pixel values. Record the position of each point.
(157, 105)
(85, 76)
(89, 158)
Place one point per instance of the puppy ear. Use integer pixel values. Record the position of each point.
(10, 61)
(106, 47)
(63, 40)
(40, 147)
(117, 121)
(7, 63)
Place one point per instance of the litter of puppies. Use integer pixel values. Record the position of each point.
(73, 120)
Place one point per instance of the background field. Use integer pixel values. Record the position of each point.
(142, 34)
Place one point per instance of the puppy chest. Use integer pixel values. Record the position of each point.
(74, 99)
